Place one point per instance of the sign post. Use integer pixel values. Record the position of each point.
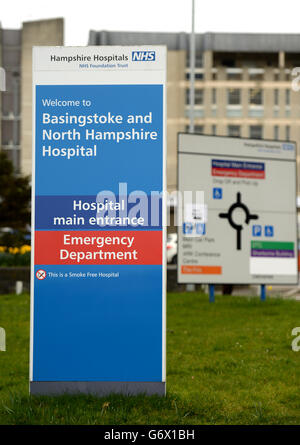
(244, 229)
(98, 276)
(263, 292)
(211, 288)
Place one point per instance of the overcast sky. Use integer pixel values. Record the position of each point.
(155, 15)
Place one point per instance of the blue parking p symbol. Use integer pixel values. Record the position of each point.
(187, 228)
(256, 230)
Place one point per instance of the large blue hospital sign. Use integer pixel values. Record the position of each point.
(98, 284)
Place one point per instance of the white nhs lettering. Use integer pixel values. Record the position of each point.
(143, 56)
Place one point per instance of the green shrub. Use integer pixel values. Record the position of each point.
(14, 259)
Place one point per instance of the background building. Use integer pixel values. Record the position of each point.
(243, 84)
(16, 101)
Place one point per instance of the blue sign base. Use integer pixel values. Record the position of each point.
(97, 388)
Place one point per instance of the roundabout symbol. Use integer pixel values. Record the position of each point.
(238, 227)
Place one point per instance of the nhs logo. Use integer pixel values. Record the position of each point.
(289, 147)
(143, 56)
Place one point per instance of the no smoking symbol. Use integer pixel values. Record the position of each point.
(41, 274)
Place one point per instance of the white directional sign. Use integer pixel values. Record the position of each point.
(248, 232)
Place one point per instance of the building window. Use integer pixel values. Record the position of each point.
(256, 111)
(234, 74)
(187, 96)
(256, 96)
(197, 129)
(256, 74)
(199, 93)
(214, 96)
(256, 132)
(198, 60)
(234, 96)
(276, 76)
(276, 97)
(198, 75)
(287, 133)
(234, 131)
(214, 74)
(287, 97)
(213, 130)
(276, 132)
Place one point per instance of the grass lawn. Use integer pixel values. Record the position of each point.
(227, 363)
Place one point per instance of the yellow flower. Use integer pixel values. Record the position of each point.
(13, 250)
(25, 248)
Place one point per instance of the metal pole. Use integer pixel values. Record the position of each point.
(191, 287)
(192, 70)
(263, 292)
(211, 288)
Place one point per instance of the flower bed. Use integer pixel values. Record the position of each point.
(15, 256)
